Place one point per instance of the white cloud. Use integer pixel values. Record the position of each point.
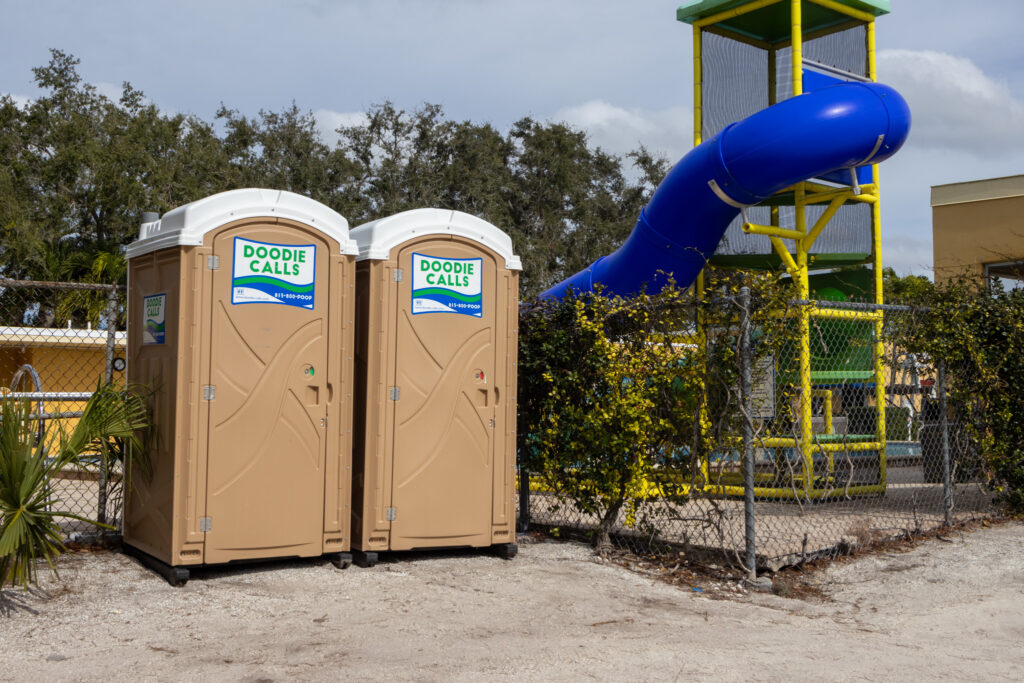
(907, 255)
(617, 130)
(20, 101)
(954, 104)
(109, 90)
(328, 122)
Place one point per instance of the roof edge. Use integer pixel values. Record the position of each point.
(187, 225)
(981, 190)
(377, 238)
(695, 10)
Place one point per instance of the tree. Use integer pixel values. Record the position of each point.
(909, 288)
(83, 168)
(570, 204)
(283, 150)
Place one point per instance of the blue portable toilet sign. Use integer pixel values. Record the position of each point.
(155, 319)
(447, 285)
(266, 273)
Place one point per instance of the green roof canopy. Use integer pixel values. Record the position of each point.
(771, 24)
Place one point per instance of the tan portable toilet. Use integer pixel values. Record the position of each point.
(435, 400)
(240, 310)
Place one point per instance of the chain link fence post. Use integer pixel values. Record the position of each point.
(108, 378)
(746, 361)
(523, 523)
(947, 484)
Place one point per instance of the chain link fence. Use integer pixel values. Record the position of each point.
(58, 341)
(843, 441)
(806, 475)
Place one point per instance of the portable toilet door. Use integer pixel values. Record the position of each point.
(240, 309)
(435, 408)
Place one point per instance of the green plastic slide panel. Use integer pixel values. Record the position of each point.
(847, 438)
(853, 284)
(839, 376)
(771, 24)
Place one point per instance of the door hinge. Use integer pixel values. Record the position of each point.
(390, 514)
(213, 262)
(394, 393)
(205, 524)
(209, 391)
(494, 422)
(397, 274)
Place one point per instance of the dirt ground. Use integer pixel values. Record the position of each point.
(949, 608)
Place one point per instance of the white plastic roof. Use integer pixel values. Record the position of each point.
(188, 224)
(377, 238)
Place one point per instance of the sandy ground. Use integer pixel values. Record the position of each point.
(951, 610)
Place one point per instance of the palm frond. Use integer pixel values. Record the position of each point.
(29, 525)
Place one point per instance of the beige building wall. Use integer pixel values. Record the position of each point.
(977, 224)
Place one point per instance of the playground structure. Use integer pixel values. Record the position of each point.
(789, 125)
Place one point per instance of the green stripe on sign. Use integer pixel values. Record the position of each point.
(263, 280)
(431, 291)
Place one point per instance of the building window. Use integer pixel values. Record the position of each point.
(1006, 274)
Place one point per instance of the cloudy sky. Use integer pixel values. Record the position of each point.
(620, 70)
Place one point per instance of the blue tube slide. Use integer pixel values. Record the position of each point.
(837, 127)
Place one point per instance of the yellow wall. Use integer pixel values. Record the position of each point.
(60, 368)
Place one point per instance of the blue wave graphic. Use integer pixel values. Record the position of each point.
(283, 295)
(473, 308)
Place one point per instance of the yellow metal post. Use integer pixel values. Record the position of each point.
(698, 132)
(698, 85)
(803, 286)
(797, 42)
(705, 421)
(876, 248)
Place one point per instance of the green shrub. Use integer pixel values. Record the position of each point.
(602, 390)
(29, 529)
(977, 332)
(618, 394)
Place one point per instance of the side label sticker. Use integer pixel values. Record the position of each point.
(447, 285)
(155, 309)
(264, 273)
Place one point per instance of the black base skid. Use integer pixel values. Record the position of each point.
(505, 551)
(364, 558)
(176, 576)
(340, 560)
